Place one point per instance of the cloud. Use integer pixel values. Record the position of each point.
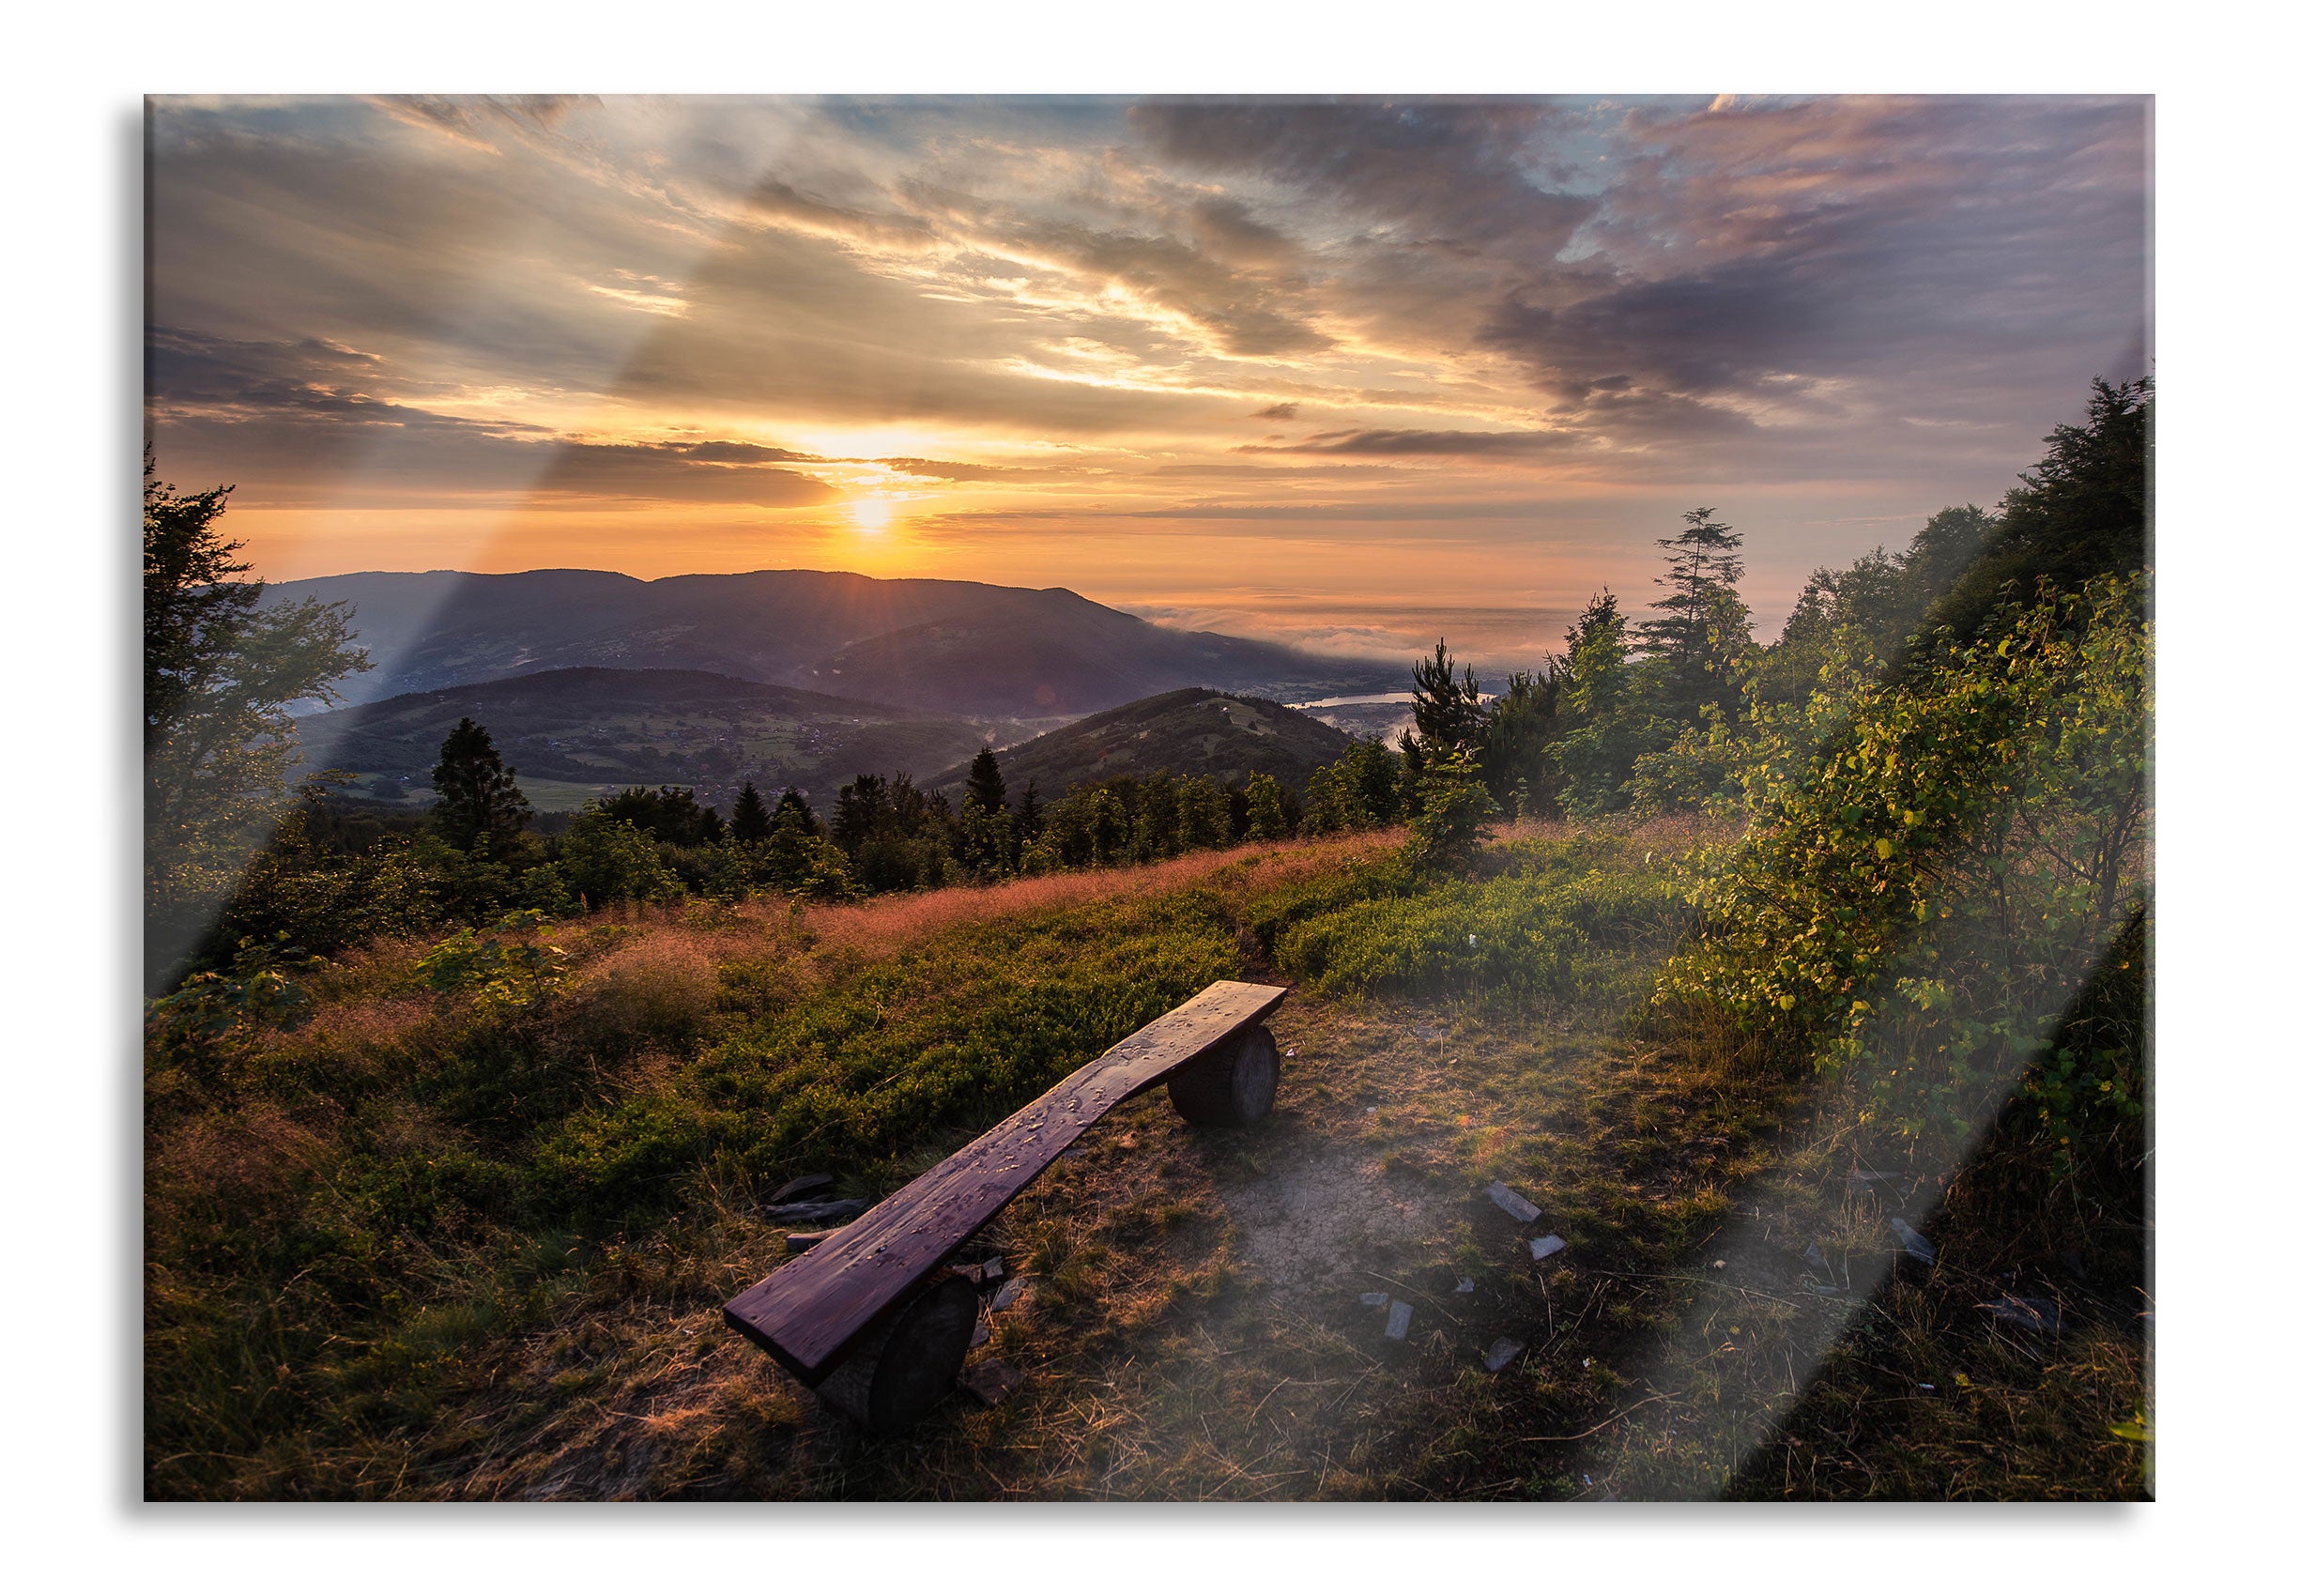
(294, 420)
(1437, 172)
(1285, 412)
(1404, 441)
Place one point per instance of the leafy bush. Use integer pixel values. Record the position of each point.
(496, 969)
(259, 989)
(612, 861)
(1921, 897)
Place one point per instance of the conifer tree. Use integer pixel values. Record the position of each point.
(750, 823)
(1447, 712)
(984, 784)
(793, 803)
(861, 811)
(477, 800)
(1702, 624)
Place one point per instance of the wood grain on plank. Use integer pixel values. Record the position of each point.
(809, 1312)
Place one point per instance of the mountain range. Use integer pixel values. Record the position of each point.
(966, 650)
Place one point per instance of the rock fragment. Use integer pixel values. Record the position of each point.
(1373, 1299)
(1912, 1243)
(990, 1381)
(2031, 1314)
(837, 1212)
(982, 1276)
(1511, 1203)
(1545, 1245)
(1497, 1355)
(1401, 1315)
(1463, 1286)
(800, 1190)
(1008, 1295)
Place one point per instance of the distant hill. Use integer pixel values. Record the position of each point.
(1190, 732)
(967, 649)
(574, 734)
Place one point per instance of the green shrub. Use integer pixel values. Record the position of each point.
(497, 970)
(1922, 898)
(1456, 813)
(614, 862)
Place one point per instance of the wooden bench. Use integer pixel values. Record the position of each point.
(873, 1320)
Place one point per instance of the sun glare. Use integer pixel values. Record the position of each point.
(872, 517)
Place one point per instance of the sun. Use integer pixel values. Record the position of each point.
(871, 516)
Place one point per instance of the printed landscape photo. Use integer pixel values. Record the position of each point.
(1067, 798)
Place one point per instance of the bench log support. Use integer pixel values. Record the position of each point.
(872, 1321)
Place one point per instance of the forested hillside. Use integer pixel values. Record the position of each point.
(1190, 731)
(588, 731)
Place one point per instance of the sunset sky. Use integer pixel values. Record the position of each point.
(1345, 374)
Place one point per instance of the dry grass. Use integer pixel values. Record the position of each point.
(882, 926)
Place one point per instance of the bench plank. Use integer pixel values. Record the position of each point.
(807, 1313)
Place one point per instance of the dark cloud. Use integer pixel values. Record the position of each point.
(1432, 510)
(1226, 228)
(1285, 412)
(1756, 256)
(1246, 311)
(1402, 441)
(965, 471)
(483, 119)
(1443, 172)
(284, 418)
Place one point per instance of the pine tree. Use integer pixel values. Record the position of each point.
(1521, 724)
(1376, 776)
(477, 800)
(984, 784)
(1702, 624)
(1455, 812)
(861, 811)
(1447, 712)
(793, 803)
(1030, 819)
(750, 823)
